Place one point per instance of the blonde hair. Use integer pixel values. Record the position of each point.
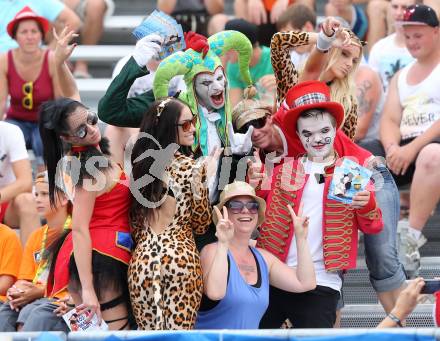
(340, 88)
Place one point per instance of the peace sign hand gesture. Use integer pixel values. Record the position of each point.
(300, 223)
(224, 228)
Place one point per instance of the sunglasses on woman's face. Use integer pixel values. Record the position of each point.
(257, 124)
(81, 132)
(237, 206)
(187, 124)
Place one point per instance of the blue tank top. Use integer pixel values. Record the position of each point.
(243, 305)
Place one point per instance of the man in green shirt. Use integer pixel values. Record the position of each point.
(260, 66)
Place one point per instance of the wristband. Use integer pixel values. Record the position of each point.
(395, 319)
(324, 42)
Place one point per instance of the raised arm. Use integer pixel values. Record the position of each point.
(115, 108)
(63, 80)
(214, 258)
(299, 279)
(330, 35)
(284, 70)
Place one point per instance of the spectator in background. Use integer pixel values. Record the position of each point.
(390, 54)
(17, 204)
(27, 75)
(259, 66)
(298, 17)
(264, 14)
(91, 13)
(354, 15)
(370, 98)
(28, 292)
(193, 15)
(10, 251)
(52, 10)
(410, 125)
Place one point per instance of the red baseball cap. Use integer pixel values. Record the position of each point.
(25, 14)
(309, 95)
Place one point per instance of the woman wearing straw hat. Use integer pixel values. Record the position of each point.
(236, 276)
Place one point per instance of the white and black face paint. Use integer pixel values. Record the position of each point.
(211, 89)
(317, 135)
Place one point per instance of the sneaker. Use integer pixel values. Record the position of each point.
(408, 248)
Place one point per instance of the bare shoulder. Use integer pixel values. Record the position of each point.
(269, 258)
(3, 62)
(208, 250)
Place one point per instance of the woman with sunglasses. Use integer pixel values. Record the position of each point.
(165, 276)
(93, 259)
(236, 276)
(28, 76)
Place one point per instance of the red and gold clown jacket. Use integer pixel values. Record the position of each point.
(340, 221)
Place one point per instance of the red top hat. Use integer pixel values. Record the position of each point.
(309, 95)
(24, 14)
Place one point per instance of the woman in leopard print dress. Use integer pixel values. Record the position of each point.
(336, 68)
(164, 275)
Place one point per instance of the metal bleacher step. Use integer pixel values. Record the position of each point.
(357, 288)
(369, 316)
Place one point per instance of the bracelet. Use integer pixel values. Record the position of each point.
(395, 319)
(324, 42)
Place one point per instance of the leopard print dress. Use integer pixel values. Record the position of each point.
(165, 275)
(287, 75)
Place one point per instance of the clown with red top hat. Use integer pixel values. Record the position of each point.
(312, 118)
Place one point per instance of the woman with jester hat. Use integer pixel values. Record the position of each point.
(207, 90)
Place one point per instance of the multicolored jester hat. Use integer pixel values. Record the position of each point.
(200, 64)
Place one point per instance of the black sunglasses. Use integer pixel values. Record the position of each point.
(257, 124)
(186, 125)
(237, 206)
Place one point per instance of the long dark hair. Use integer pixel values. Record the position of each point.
(52, 124)
(160, 122)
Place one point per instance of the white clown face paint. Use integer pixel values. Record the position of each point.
(317, 135)
(211, 89)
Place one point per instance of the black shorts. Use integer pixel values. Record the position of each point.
(311, 309)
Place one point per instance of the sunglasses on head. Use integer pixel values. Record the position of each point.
(186, 125)
(237, 206)
(257, 124)
(81, 132)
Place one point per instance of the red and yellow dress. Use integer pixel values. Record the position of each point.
(109, 233)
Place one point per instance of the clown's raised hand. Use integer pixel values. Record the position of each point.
(147, 48)
(241, 144)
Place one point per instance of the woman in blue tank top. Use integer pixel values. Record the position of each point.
(236, 276)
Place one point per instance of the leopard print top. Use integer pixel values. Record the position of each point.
(287, 75)
(165, 274)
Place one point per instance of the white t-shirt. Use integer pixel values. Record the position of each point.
(386, 58)
(313, 208)
(12, 149)
(420, 103)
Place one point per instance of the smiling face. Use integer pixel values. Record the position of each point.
(421, 40)
(345, 61)
(211, 89)
(244, 221)
(28, 35)
(185, 137)
(264, 137)
(82, 121)
(317, 134)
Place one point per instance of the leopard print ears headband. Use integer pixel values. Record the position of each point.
(355, 39)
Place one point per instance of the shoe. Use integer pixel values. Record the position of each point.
(408, 248)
